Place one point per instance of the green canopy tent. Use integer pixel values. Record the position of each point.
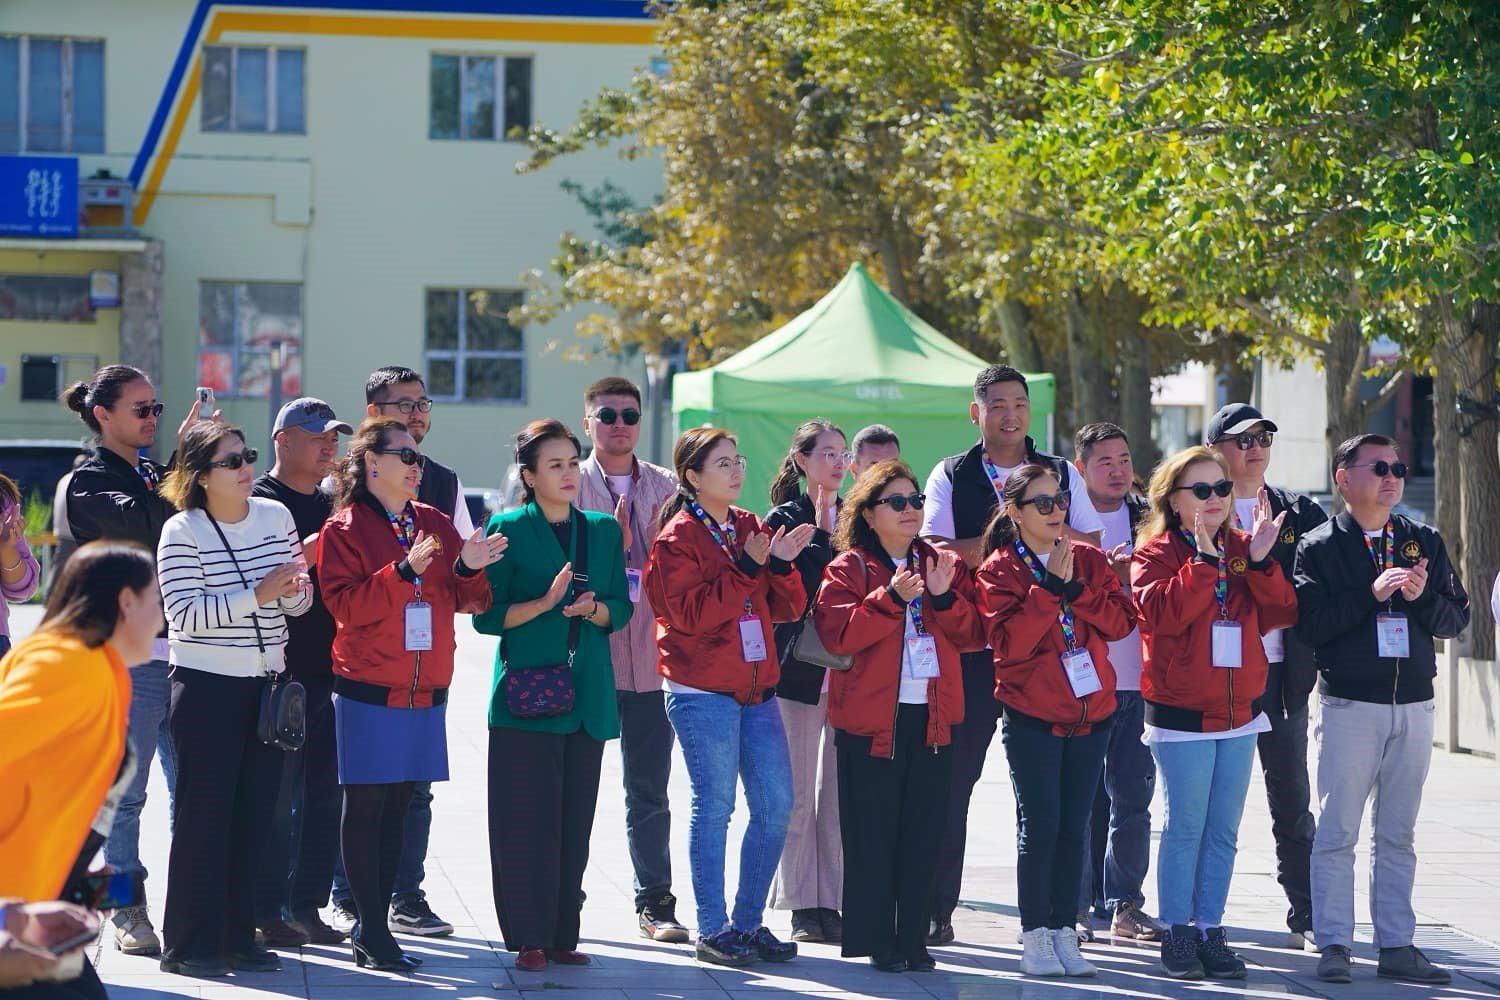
(857, 357)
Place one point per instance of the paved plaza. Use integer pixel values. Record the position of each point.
(1458, 887)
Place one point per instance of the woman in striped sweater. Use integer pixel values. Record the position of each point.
(231, 571)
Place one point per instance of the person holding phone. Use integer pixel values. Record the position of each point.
(42, 949)
(20, 573)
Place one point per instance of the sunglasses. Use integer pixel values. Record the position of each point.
(1384, 468)
(144, 410)
(1247, 441)
(1203, 490)
(235, 461)
(407, 405)
(608, 415)
(1046, 504)
(899, 503)
(408, 456)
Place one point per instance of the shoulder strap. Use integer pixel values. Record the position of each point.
(580, 576)
(254, 615)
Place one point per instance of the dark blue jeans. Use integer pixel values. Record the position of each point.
(410, 872)
(1118, 845)
(646, 759)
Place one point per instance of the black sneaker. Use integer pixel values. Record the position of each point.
(726, 948)
(1219, 960)
(768, 946)
(833, 925)
(254, 959)
(197, 968)
(941, 931)
(1179, 953)
(412, 915)
(1411, 965)
(658, 920)
(807, 926)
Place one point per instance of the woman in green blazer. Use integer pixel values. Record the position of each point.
(544, 771)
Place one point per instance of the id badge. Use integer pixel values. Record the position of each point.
(752, 639)
(418, 627)
(921, 657)
(1227, 649)
(1392, 637)
(1083, 676)
(633, 580)
(1275, 645)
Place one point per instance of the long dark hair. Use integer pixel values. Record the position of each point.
(1002, 531)
(181, 487)
(788, 482)
(853, 530)
(690, 455)
(103, 388)
(349, 475)
(529, 445)
(85, 600)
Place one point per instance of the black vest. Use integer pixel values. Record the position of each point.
(439, 486)
(974, 499)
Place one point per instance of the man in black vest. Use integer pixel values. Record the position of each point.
(962, 494)
(1243, 437)
(401, 394)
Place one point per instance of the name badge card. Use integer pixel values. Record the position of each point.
(1392, 636)
(633, 580)
(1083, 676)
(921, 657)
(418, 627)
(752, 639)
(1275, 644)
(1227, 649)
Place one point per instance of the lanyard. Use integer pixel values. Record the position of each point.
(723, 534)
(1065, 614)
(914, 606)
(1221, 585)
(1382, 556)
(405, 527)
(145, 473)
(614, 498)
(994, 473)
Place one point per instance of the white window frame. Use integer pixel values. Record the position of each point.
(498, 124)
(461, 354)
(23, 92)
(273, 106)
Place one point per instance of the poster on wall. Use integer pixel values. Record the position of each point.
(104, 289)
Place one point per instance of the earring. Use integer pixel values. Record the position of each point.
(374, 473)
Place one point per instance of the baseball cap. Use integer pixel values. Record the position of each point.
(1236, 418)
(312, 415)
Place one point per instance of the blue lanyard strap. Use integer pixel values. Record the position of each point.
(1221, 585)
(1382, 555)
(1065, 615)
(722, 533)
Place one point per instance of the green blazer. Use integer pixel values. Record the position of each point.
(531, 562)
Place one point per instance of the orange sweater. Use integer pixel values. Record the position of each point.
(63, 711)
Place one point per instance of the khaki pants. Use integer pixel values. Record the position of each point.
(811, 875)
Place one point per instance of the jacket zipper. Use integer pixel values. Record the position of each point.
(1083, 718)
(411, 698)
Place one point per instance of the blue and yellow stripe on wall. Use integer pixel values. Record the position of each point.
(596, 22)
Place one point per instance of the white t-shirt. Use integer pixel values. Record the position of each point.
(1124, 654)
(913, 690)
(937, 515)
(1274, 641)
(1152, 734)
(620, 485)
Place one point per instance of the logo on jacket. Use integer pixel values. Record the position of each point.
(1288, 536)
(1411, 550)
(1238, 565)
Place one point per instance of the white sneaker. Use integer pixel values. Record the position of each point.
(1065, 945)
(1297, 940)
(1038, 956)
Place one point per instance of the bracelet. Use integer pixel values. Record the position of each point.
(18, 565)
(592, 611)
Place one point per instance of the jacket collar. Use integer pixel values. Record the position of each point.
(591, 468)
(547, 538)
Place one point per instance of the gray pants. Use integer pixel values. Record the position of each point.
(1364, 748)
(811, 874)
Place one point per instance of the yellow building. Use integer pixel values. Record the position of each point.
(335, 177)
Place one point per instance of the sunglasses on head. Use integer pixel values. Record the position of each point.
(608, 415)
(1205, 490)
(1383, 468)
(408, 456)
(899, 503)
(1047, 503)
(144, 410)
(1247, 441)
(235, 461)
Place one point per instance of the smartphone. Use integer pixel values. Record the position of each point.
(205, 402)
(107, 891)
(76, 941)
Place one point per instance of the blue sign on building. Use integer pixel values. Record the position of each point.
(38, 196)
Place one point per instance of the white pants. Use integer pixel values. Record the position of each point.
(1365, 749)
(811, 875)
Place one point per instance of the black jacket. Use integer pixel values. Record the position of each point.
(109, 498)
(974, 499)
(800, 682)
(1290, 682)
(1333, 576)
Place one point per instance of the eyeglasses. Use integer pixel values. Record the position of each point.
(608, 415)
(407, 405)
(835, 457)
(1203, 490)
(144, 410)
(235, 461)
(899, 503)
(1383, 468)
(408, 456)
(1045, 503)
(1247, 441)
(730, 464)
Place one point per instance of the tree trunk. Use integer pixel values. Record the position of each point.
(1239, 382)
(1135, 406)
(1021, 348)
(1342, 370)
(1089, 374)
(1447, 480)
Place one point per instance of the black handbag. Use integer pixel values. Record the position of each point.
(282, 722)
(808, 646)
(544, 691)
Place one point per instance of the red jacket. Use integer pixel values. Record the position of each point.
(856, 613)
(1174, 596)
(699, 596)
(1020, 618)
(357, 558)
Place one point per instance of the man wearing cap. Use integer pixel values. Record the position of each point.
(297, 869)
(1240, 434)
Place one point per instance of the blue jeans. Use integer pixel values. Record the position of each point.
(1118, 846)
(146, 730)
(646, 759)
(722, 739)
(410, 870)
(1205, 782)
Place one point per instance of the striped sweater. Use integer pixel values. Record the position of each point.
(209, 608)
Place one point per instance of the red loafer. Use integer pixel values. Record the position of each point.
(531, 959)
(562, 957)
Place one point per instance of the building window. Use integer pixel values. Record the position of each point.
(238, 321)
(473, 352)
(479, 97)
(45, 298)
(51, 95)
(253, 89)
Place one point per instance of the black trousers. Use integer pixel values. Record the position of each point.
(227, 781)
(543, 788)
(1055, 778)
(1283, 758)
(971, 745)
(891, 813)
(303, 845)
